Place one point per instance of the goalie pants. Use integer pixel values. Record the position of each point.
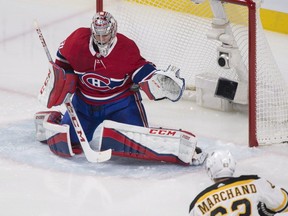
(129, 110)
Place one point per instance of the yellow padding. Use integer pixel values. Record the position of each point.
(274, 20)
(185, 6)
(271, 20)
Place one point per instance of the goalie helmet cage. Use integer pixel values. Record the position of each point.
(175, 31)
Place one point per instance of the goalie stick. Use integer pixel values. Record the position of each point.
(90, 154)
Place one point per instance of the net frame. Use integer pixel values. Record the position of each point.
(251, 67)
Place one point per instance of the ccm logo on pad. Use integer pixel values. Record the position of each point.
(162, 132)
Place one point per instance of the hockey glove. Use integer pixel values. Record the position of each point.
(263, 210)
(164, 84)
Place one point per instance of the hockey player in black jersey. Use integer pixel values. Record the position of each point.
(244, 195)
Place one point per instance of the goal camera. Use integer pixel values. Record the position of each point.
(223, 60)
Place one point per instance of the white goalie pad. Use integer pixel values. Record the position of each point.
(46, 129)
(180, 143)
(164, 84)
(53, 129)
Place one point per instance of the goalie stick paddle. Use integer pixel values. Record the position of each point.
(90, 154)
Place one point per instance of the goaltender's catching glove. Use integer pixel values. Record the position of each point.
(164, 84)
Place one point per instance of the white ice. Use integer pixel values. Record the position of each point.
(33, 181)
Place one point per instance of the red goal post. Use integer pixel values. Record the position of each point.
(193, 36)
(99, 5)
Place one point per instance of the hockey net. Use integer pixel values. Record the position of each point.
(193, 37)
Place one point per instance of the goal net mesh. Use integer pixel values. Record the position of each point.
(175, 32)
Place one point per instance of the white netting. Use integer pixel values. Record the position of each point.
(272, 94)
(174, 32)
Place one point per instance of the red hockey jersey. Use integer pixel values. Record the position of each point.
(103, 79)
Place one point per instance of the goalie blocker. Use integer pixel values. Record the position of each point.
(157, 144)
(57, 87)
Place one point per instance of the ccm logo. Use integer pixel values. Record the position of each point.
(162, 132)
(45, 82)
(76, 123)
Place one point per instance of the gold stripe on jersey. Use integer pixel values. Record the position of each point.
(208, 200)
(283, 204)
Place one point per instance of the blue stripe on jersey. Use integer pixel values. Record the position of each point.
(61, 58)
(142, 73)
(63, 63)
(100, 100)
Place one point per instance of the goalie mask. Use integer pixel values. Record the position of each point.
(220, 164)
(103, 31)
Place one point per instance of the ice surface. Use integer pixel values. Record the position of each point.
(33, 181)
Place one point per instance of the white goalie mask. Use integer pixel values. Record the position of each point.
(103, 31)
(220, 164)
